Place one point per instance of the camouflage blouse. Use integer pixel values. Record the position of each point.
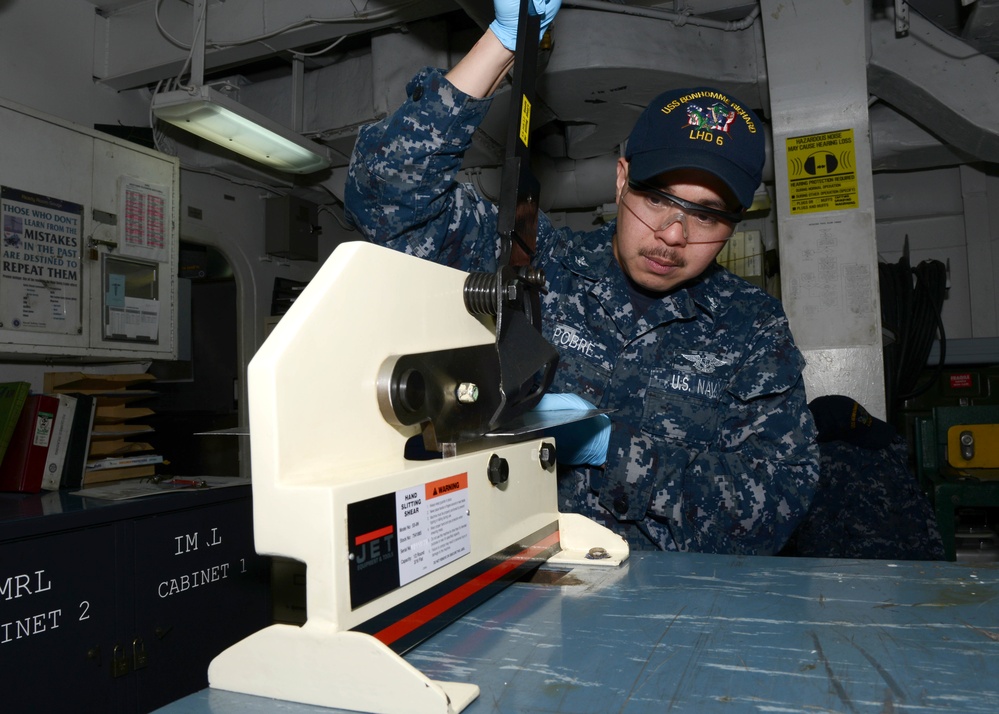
(712, 444)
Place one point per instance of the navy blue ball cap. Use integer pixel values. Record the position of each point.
(700, 128)
(840, 418)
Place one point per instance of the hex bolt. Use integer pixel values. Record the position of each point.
(467, 393)
(547, 455)
(597, 553)
(498, 470)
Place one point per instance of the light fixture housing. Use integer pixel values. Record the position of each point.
(210, 114)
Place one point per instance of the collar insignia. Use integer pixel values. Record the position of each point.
(704, 362)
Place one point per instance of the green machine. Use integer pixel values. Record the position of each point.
(954, 430)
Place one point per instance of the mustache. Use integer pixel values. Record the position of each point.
(664, 254)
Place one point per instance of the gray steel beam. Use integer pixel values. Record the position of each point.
(980, 28)
(939, 82)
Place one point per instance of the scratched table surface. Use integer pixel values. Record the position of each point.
(702, 633)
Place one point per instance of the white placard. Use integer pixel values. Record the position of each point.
(434, 526)
(143, 221)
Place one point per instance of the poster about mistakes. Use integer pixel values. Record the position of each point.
(40, 281)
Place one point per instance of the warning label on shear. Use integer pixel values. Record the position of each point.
(434, 526)
(399, 537)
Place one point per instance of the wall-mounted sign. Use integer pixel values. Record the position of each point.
(821, 172)
(40, 280)
(145, 219)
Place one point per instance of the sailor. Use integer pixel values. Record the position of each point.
(869, 503)
(711, 446)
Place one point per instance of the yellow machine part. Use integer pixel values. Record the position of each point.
(973, 446)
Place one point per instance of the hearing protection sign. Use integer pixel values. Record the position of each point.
(821, 171)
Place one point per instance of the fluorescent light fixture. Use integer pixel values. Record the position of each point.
(213, 116)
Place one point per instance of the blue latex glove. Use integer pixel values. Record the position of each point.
(508, 12)
(579, 442)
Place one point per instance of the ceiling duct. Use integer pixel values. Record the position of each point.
(939, 82)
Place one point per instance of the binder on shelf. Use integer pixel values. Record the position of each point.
(78, 449)
(62, 426)
(12, 398)
(24, 462)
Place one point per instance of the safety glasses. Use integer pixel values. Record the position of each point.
(658, 210)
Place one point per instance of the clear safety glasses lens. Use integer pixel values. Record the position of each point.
(659, 210)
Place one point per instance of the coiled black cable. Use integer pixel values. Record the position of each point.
(911, 303)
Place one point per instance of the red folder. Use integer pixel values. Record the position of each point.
(24, 462)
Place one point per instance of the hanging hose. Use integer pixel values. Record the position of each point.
(911, 302)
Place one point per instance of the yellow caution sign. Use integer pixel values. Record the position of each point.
(821, 172)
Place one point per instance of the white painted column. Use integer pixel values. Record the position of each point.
(981, 268)
(817, 71)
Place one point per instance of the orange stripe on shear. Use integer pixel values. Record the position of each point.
(441, 605)
(371, 535)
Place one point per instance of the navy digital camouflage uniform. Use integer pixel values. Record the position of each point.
(868, 505)
(712, 445)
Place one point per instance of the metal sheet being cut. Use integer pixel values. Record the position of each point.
(534, 421)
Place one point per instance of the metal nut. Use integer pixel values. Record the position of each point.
(498, 470)
(547, 455)
(467, 393)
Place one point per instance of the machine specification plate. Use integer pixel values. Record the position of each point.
(399, 537)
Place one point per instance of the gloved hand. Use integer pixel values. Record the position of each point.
(508, 12)
(579, 442)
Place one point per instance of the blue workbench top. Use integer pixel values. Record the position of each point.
(701, 633)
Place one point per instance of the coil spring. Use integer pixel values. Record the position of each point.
(480, 293)
(535, 277)
(480, 289)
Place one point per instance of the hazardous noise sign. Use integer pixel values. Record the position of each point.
(821, 170)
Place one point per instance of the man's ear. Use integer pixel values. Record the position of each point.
(622, 176)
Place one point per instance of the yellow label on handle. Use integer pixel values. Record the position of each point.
(525, 119)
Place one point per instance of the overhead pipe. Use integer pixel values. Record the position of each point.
(677, 18)
(481, 11)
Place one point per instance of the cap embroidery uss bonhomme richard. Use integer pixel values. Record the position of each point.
(700, 128)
